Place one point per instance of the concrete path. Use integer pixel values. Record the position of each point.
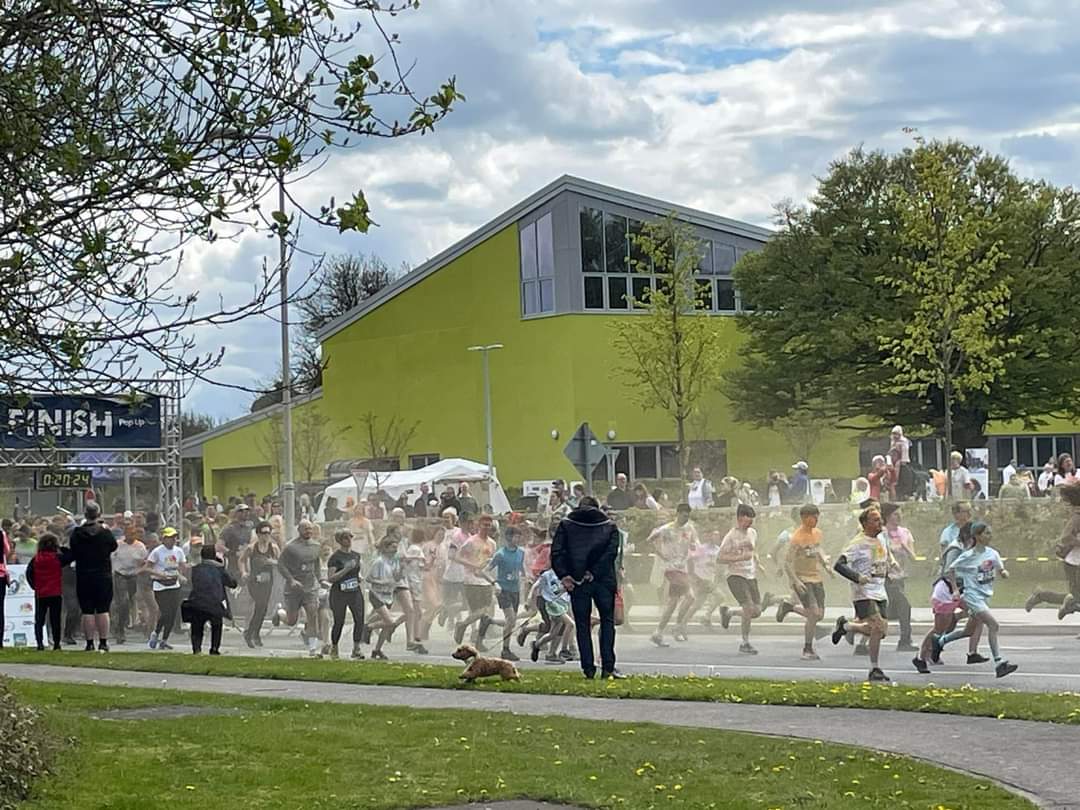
(1035, 759)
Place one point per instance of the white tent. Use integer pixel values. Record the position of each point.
(486, 489)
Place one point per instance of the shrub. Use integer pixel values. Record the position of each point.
(25, 748)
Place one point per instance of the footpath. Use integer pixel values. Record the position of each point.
(1037, 760)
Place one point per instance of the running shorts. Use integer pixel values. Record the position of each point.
(975, 604)
(453, 593)
(508, 600)
(678, 583)
(944, 607)
(296, 598)
(477, 597)
(556, 608)
(813, 596)
(95, 594)
(377, 603)
(744, 590)
(866, 608)
(702, 587)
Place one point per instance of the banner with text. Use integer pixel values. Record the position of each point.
(80, 423)
(18, 609)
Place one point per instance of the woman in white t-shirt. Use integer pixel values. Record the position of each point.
(166, 565)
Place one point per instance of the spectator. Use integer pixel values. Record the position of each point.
(1065, 473)
(420, 505)
(1008, 472)
(209, 600)
(900, 457)
(799, 488)
(776, 488)
(466, 501)
(700, 494)
(643, 500)
(1014, 488)
(878, 477)
(92, 545)
(44, 575)
(619, 497)
(959, 477)
(1046, 478)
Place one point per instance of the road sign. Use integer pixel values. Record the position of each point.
(585, 451)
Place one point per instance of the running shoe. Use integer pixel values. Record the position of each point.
(679, 635)
(725, 617)
(89, 646)
(248, 641)
(567, 655)
(153, 642)
(840, 630)
(746, 649)
(554, 659)
(314, 652)
(1067, 607)
(877, 676)
(164, 645)
(1032, 600)
(334, 652)
(378, 655)
(215, 652)
(614, 675)
(935, 648)
(420, 649)
(459, 632)
(325, 649)
(658, 640)
(783, 609)
(508, 655)
(810, 655)
(975, 658)
(767, 601)
(357, 653)
(275, 617)
(523, 634)
(258, 641)
(1005, 668)
(534, 653)
(920, 665)
(103, 646)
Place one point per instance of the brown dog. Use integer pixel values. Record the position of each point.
(480, 667)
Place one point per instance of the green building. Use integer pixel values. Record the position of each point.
(546, 279)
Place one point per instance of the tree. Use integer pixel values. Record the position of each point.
(270, 441)
(192, 424)
(803, 427)
(672, 354)
(951, 253)
(131, 129)
(382, 440)
(315, 441)
(825, 316)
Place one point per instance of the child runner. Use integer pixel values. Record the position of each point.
(738, 550)
(508, 563)
(803, 564)
(673, 542)
(383, 580)
(703, 569)
(556, 606)
(865, 563)
(412, 566)
(976, 569)
(944, 602)
(474, 555)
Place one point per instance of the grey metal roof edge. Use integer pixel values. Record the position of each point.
(242, 421)
(566, 182)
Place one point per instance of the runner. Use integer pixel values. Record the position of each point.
(344, 575)
(166, 564)
(474, 555)
(976, 569)
(865, 563)
(383, 580)
(412, 569)
(739, 551)
(902, 547)
(803, 564)
(127, 560)
(299, 567)
(257, 563)
(509, 567)
(453, 581)
(944, 603)
(556, 607)
(704, 569)
(1068, 550)
(673, 542)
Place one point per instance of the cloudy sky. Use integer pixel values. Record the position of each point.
(721, 105)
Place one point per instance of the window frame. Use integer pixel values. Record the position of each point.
(413, 457)
(611, 466)
(532, 232)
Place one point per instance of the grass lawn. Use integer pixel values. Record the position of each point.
(1058, 708)
(289, 754)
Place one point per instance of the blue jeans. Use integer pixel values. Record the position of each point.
(582, 598)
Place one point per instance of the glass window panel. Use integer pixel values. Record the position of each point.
(705, 263)
(705, 295)
(725, 295)
(600, 473)
(1004, 451)
(622, 461)
(1064, 445)
(617, 293)
(641, 286)
(639, 260)
(669, 461)
(723, 258)
(615, 243)
(594, 292)
(545, 246)
(530, 297)
(1044, 448)
(645, 461)
(547, 295)
(1025, 451)
(592, 240)
(528, 251)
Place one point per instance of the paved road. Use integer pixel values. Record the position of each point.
(1035, 759)
(1049, 660)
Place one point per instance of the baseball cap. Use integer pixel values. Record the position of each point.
(800, 465)
(168, 531)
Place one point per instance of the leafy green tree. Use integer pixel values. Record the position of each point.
(672, 354)
(835, 291)
(131, 130)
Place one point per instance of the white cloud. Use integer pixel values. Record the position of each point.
(727, 106)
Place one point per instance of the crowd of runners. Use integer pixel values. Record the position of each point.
(488, 579)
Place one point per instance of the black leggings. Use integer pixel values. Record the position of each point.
(3, 594)
(198, 628)
(260, 595)
(354, 602)
(50, 605)
(168, 603)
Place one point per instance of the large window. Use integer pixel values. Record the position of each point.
(421, 460)
(538, 267)
(616, 275)
(1030, 451)
(639, 462)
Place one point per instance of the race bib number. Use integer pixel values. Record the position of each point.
(350, 584)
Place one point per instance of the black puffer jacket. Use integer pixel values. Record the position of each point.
(209, 579)
(586, 540)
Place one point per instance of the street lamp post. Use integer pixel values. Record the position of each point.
(288, 486)
(487, 402)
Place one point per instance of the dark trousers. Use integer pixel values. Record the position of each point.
(72, 614)
(260, 595)
(168, 603)
(582, 599)
(198, 628)
(353, 601)
(899, 606)
(3, 597)
(52, 606)
(123, 605)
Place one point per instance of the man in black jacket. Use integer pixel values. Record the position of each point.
(583, 556)
(92, 546)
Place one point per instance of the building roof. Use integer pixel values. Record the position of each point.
(565, 183)
(192, 446)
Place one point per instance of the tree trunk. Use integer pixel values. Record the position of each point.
(682, 450)
(948, 434)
